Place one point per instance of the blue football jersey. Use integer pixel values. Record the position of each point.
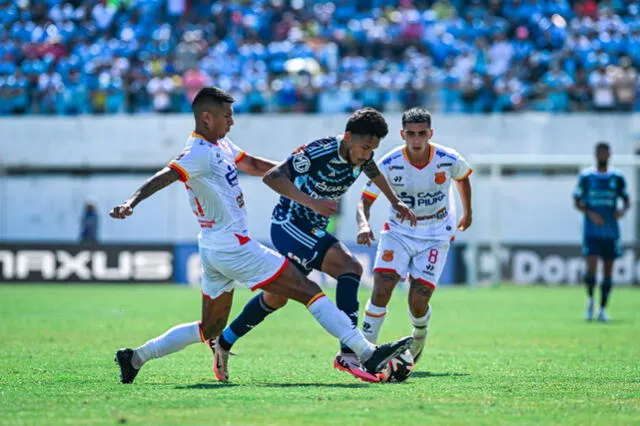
(316, 169)
(600, 192)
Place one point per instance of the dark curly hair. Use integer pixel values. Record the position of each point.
(367, 122)
(416, 115)
(208, 97)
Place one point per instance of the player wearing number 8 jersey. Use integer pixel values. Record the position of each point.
(209, 168)
(421, 173)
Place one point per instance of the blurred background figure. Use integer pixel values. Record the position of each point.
(89, 224)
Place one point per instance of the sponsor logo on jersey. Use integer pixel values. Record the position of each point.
(232, 175)
(323, 187)
(240, 200)
(301, 163)
(397, 179)
(391, 158)
(440, 165)
(422, 198)
(396, 167)
(440, 178)
(387, 255)
(335, 161)
(443, 154)
(318, 232)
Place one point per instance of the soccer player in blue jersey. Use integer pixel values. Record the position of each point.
(596, 195)
(311, 181)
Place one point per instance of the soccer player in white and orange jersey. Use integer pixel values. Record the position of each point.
(421, 173)
(209, 168)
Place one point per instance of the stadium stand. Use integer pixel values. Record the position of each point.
(115, 56)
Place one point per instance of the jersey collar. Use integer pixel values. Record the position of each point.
(432, 151)
(199, 136)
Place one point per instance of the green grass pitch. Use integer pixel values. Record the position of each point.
(505, 355)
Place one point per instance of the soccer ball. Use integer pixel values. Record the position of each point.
(398, 369)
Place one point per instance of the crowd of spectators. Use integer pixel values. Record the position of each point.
(472, 56)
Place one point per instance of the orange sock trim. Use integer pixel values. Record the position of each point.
(369, 314)
(314, 298)
(202, 339)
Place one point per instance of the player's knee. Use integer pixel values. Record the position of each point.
(274, 301)
(590, 279)
(384, 283)
(353, 266)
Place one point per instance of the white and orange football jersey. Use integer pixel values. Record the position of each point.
(426, 190)
(209, 173)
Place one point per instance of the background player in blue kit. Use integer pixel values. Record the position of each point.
(311, 181)
(596, 196)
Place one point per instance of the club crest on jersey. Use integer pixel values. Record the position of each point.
(387, 255)
(440, 178)
(318, 232)
(301, 163)
(356, 172)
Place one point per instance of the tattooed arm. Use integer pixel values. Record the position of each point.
(279, 179)
(373, 172)
(163, 178)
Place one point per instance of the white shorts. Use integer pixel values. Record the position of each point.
(251, 263)
(421, 259)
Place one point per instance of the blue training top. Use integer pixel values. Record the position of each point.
(599, 191)
(317, 169)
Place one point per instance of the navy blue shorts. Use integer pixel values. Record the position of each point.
(602, 247)
(306, 246)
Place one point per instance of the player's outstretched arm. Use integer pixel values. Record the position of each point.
(365, 234)
(279, 179)
(405, 213)
(255, 166)
(464, 189)
(163, 178)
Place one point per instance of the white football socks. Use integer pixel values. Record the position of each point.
(174, 340)
(338, 324)
(420, 325)
(373, 318)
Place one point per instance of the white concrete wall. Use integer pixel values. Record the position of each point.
(154, 139)
(532, 209)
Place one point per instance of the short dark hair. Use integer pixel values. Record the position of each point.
(208, 97)
(416, 115)
(367, 121)
(603, 145)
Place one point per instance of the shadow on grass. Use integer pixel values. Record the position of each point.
(313, 385)
(420, 374)
(207, 386)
